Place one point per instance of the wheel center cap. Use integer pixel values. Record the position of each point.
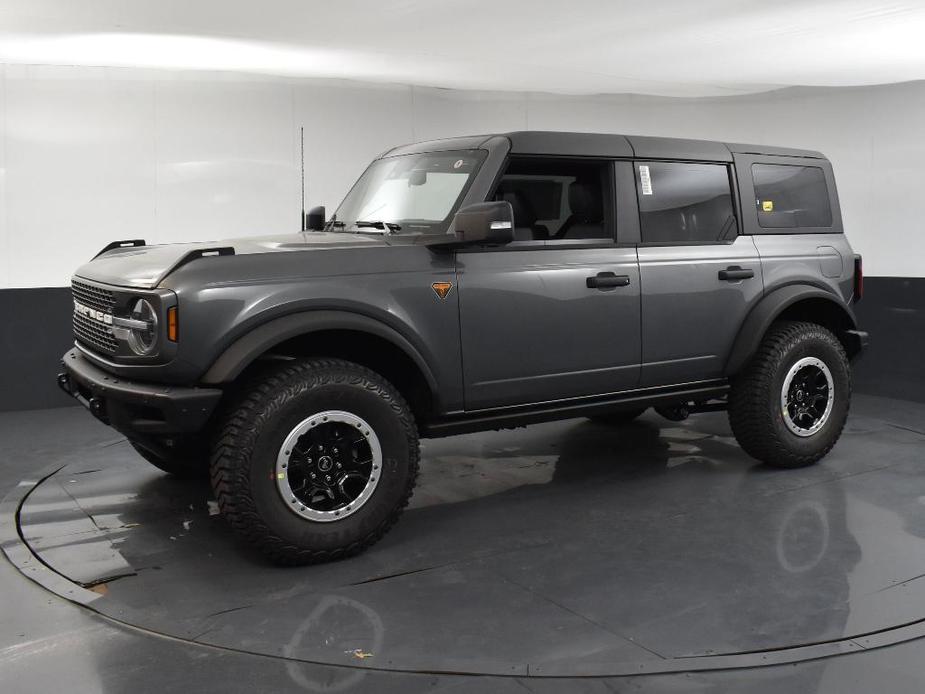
(800, 395)
(325, 463)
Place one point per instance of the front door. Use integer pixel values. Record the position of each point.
(555, 314)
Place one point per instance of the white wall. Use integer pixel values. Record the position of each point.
(89, 155)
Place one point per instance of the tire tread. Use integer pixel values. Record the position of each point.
(748, 398)
(237, 436)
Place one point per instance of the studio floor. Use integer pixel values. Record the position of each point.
(572, 556)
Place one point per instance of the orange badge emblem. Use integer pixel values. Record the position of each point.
(442, 288)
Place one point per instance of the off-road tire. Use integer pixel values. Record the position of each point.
(190, 460)
(618, 417)
(249, 440)
(755, 412)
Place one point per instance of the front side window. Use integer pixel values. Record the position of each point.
(788, 196)
(558, 199)
(409, 194)
(684, 203)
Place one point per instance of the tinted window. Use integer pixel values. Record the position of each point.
(791, 196)
(558, 199)
(684, 203)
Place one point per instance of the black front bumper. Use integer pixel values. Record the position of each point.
(133, 408)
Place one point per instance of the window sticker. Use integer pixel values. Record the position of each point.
(645, 179)
(767, 205)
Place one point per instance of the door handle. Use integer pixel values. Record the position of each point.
(734, 272)
(607, 280)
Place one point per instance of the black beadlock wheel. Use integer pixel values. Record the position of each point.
(189, 460)
(315, 460)
(789, 405)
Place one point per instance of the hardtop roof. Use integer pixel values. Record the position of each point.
(606, 145)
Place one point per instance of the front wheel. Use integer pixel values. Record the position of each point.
(315, 461)
(789, 405)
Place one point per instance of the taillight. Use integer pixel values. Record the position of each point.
(858, 278)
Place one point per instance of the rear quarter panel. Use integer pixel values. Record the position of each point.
(820, 257)
(820, 260)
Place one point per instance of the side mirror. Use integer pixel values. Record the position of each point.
(484, 223)
(314, 220)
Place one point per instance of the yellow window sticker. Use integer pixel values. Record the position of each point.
(767, 205)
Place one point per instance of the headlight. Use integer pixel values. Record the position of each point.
(142, 333)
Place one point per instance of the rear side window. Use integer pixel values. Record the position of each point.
(788, 196)
(684, 203)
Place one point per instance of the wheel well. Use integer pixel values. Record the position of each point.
(371, 351)
(823, 312)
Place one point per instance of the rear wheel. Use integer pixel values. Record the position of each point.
(186, 460)
(789, 405)
(316, 461)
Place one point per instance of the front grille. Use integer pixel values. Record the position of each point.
(87, 331)
(94, 297)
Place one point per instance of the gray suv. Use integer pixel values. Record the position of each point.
(468, 284)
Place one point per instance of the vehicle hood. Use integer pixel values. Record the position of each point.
(145, 267)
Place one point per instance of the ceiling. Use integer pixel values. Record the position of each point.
(663, 47)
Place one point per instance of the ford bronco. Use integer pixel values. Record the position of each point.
(468, 284)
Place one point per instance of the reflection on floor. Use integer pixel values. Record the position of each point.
(564, 549)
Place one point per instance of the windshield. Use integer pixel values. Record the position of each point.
(408, 194)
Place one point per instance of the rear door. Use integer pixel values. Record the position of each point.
(699, 277)
(555, 314)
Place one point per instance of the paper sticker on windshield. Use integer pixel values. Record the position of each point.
(645, 179)
(767, 205)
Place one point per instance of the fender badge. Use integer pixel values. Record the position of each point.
(442, 288)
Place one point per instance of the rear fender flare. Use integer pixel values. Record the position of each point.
(767, 311)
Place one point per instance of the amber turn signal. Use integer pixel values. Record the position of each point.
(173, 328)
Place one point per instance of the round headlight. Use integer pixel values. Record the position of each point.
(143, 340)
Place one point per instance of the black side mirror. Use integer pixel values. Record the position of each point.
(314, 220)
(490, 223)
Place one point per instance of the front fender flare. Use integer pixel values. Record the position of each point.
(264, 337)
(767, 311)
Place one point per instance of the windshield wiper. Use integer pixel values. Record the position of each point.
(390, 227)
(332, 224)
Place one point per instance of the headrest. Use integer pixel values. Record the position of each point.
(524, 216)
(585, 201)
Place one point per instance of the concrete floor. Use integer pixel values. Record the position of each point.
(543, 559)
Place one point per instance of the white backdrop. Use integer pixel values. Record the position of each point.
(89, 155)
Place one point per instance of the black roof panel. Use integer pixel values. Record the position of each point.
(674, 148)
(605, 145)
(569, 144)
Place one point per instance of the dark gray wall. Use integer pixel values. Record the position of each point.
(893, 312)
(36, 331)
